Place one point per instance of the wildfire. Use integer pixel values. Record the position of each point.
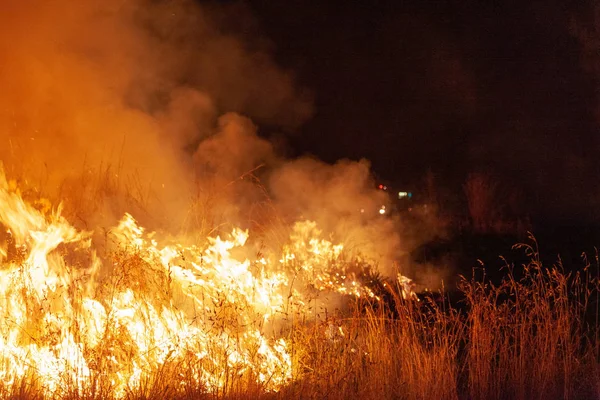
(77, 321)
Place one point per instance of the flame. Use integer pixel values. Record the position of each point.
(72, 318)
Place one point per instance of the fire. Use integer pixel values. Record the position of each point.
(74, 320)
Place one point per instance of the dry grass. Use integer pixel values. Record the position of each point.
(535, 335)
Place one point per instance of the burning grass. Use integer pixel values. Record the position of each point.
(159, 317)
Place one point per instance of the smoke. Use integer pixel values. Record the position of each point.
(343, 200)
(147, 107)
(133, 86)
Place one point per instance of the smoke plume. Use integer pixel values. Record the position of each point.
(147, 107)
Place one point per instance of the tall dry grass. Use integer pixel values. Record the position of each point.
(534, 335)
(530, 337)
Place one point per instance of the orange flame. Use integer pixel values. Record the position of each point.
(71, 318)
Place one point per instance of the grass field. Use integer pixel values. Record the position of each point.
(151, 321)
(532, 338)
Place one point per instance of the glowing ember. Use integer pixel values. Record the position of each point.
(73, 319)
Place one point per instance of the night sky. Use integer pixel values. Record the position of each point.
(450, 87)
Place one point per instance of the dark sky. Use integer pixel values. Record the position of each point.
(447, 86)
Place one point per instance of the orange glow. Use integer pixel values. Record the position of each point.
(71, 317)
